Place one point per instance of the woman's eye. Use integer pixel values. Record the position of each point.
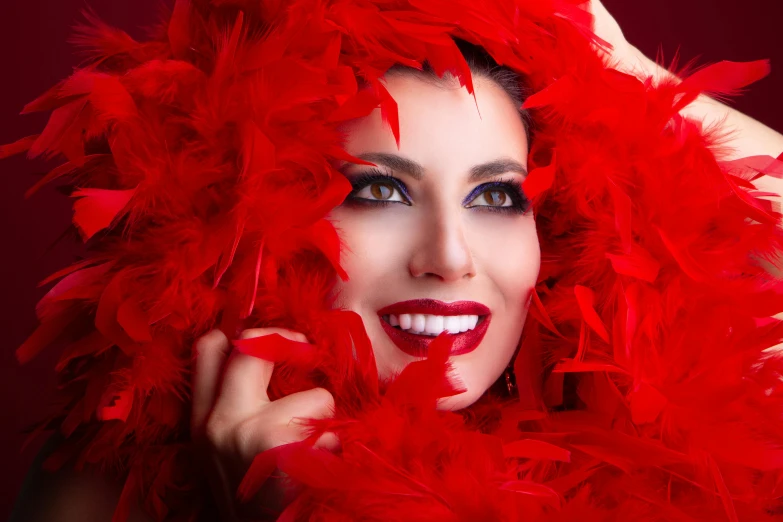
(379, 191)
(492, 198)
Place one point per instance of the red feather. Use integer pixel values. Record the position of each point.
(276, 348)
(539, 180)
(219, 139)
(536, 449)
(585, 299)
(639, 263)
(97, 209)
(22, 145)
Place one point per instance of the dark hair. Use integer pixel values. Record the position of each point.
(482, 65)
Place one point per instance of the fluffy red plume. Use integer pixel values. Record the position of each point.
(202, 165)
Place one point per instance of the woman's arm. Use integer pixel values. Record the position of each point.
(745, 136)
(748, 137)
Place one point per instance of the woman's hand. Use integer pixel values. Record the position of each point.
(234, 420)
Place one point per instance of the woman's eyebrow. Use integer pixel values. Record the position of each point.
(416, 171)
(495, 167)
(395, 162)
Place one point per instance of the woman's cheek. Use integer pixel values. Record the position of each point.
(511, 258)
(373, 257)
(507, 249)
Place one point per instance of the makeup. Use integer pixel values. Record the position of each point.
(413, 325)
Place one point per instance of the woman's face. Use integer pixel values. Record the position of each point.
(439, 235)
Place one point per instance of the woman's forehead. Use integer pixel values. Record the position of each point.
(443, 125)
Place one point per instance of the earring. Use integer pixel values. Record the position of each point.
(511, 380)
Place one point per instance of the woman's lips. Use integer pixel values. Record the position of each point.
(434, 307)
(417, 345)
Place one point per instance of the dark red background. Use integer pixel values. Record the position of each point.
(35, 55)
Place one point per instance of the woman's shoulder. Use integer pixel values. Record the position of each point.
(67, 494)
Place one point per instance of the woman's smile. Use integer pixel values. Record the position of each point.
(413, 325)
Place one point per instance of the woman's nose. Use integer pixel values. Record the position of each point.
(442, 250)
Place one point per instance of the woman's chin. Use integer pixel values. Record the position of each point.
(459, 401)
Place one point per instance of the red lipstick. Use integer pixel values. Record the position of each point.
(417, 345)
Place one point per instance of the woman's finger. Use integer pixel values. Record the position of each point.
(285, 421)
(316, 403)
(328, 441)
(210, 353)
(297, 408)
(246, 378)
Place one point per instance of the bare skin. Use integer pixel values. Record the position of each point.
(233, 416)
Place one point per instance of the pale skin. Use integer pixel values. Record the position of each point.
(231, 412)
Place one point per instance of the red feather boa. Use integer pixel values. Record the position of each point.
(204, 160)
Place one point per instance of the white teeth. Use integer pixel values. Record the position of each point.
(405, 321)
(451, 323)
(432, 325)
(464, 323)
(417, 323)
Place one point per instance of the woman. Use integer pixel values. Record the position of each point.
(648, 291)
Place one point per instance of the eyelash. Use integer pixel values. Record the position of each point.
(513, 188)
(371, 176)
(520, 204)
